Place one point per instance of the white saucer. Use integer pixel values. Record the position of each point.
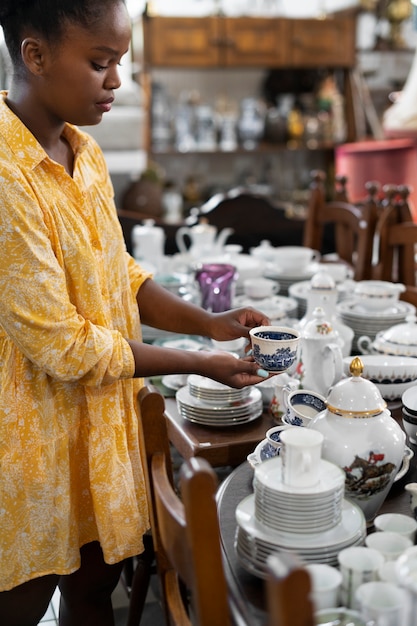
(330, 478)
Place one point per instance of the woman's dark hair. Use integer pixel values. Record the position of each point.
(47, 17)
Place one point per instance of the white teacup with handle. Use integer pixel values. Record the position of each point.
(300, 454)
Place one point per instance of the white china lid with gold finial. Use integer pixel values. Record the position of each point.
(355, 396)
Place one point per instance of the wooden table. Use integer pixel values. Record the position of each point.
(220, 446)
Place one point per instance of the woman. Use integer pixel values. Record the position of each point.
(72, 496)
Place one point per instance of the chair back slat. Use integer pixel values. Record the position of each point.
(185, 528)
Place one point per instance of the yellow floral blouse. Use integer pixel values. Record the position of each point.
(70, 469)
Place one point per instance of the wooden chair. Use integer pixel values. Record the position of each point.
(252, 217)
(352, 225)
(396, 238)
(288, 588)
(185, 531)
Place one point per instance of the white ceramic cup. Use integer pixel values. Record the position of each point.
(294, 260)
(326, 582)
(358, 565)
(301, 454)
(388, 573)
(258, 288)
(275, 348)
(383, 604)
(390, 545)
(397, 523)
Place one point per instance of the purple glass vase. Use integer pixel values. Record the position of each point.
(216, 282)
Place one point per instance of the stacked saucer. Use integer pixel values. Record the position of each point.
(206, 402)
(316, 522)
(369, 323)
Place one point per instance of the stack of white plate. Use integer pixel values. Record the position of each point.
(315, 522)
(214, 393)
(369, 323)
(209, 403)
(312, 509)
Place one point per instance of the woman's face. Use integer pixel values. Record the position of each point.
(80, 74)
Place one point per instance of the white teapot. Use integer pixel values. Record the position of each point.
(203, 237)
(148, 242)
(362, 438)
(321, 354)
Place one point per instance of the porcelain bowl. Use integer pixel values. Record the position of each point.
(385, 369)
(377, 295)
(394, 391)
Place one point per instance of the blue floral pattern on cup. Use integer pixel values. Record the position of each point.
(279, 361)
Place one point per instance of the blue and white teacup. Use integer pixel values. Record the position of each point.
(302, 405)
(275, 348)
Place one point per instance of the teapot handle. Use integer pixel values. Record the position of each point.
(180, 238)
(333, 350)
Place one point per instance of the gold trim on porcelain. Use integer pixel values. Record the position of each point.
(357, 414)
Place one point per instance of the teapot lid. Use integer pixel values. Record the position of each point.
(355, 396)
(318, 327)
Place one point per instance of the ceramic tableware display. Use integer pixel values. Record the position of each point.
(377, 295)
(209, 403)
(362, 438)
(316, 521)
(392, 374)
(203, 238)
(322, 292)
(400, 340)
(370, 323)
(320, 354)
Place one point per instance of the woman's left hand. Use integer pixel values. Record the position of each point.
(236, 323)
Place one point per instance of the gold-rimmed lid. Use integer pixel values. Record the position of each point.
(355, 396)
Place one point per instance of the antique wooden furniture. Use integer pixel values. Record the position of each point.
(352, 226)
(288, 589)
(185, 531)
(252, 217)
(395, 238)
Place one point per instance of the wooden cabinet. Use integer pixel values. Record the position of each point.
(176, 47)
(323, 43)
(249, 42)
